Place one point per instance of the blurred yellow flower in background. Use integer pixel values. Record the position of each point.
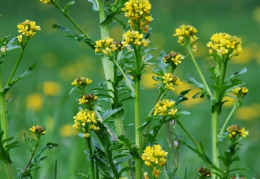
(34, 101)
(67, 131)
(51, 88)
(248, 112)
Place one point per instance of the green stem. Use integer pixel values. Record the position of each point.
(9, 172)
(199, 71)
(17, 62)
(138, 132)
(92, 168)
(70, 19)
(31, 157)
(228, 118)
(215, 150)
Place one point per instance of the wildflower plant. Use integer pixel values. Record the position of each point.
(99, 120)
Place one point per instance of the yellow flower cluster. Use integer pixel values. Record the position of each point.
(27, 28)
(81, 81)
(164, 108)
(173, 57)
(138, 13)
(134, 38)
(90, 98)
(235, 130)
(107, 46)
(240, 91)
(85, 121)
(38, 130)
(186, 35)
(154, 157)
(223, 43)
(170, 80)
(45, 1)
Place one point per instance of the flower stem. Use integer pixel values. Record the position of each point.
(138, 132)
(228, 118)
(31, 157)
(199, 71)
(92, 168)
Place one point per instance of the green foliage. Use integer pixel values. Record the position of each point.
(5, 146)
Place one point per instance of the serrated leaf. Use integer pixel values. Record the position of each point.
(194, 82)
(110, 113)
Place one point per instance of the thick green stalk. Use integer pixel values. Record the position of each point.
(9, 171)
(138, 132)
(199, 71)
(92, 168)
(108, 65)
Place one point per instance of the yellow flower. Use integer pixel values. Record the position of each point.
(87, 99)
(146, 175)
(20, 38)
(51, 88)
(67, 131)
(28, 28)
(138, 13)
(235, 130)
(154, 157)
(45, 1)
(170, 80)
(164, 108)
(225, 44)
(240, 91)
(81, 81)
(173, 58)
(38, 130)
(186, 35)
(134, 38)
(107, 46)
(34, 101)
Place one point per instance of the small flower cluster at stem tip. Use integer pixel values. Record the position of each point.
(186, 36)
(28, 29)
(108, 46)
(154, 157)
(87, 99)
(173, 58)
(225, 44)
(134, 38)
(138, 14)
(170, 80)
(240, 92)
(38, 130)
(45, 1)
(204, 172)
(81, 81)
(236, 131)
(165, 108)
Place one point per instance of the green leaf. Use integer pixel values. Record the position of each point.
(244, 70)
(182, 97)
(18, 77)
(5, 146)
(94, 4)
(194, 82)
(65, 10)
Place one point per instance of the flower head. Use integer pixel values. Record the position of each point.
(38, 130)
(186, 35)
(240, 92)
(225, 44)
(170, 80)
(154, 157)
(236, 131)
(204, 172)
(134, 38)
(138, 14)
(173, 58)
(88, 99)
(81, 81)
(108, 46)
(164, 108)
(28, 28)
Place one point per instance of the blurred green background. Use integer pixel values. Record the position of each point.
(43, 97)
